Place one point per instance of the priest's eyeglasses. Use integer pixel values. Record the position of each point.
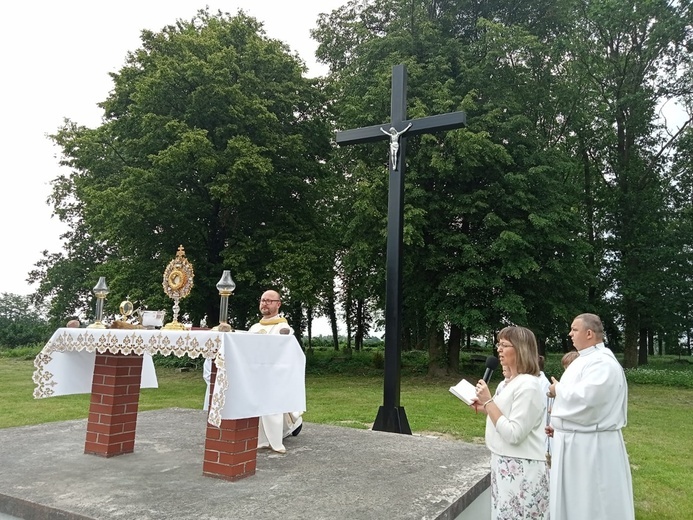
(263, 300)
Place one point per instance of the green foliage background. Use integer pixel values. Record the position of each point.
(564, 193)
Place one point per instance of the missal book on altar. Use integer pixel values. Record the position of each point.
(465, 391)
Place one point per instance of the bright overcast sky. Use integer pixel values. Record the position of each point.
(56, 56)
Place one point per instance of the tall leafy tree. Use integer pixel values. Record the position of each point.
(213, 139)
(624, 55)
(679, 284)
(487, 225)
(21, 322)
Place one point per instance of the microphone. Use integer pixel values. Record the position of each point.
(491, 365)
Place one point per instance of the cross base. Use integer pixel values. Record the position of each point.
(392, 419)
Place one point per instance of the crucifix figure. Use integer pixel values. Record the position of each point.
(394, 142)
(391, 416)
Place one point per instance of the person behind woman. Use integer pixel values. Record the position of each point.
(545, 383)
(515, 431)
(569, 357)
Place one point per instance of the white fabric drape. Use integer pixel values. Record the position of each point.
(256, 375)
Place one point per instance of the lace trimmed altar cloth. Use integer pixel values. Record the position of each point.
(256, 374)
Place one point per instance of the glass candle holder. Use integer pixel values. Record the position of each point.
(225, 286)
(101, 290)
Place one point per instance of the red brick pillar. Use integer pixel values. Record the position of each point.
(231, 449)
(115, 394)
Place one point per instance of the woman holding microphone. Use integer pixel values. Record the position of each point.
(515, 431)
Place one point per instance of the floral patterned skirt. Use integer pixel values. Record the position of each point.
(519, 488)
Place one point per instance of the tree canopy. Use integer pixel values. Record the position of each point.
(564, 193)
(211, 139)
(21, 322)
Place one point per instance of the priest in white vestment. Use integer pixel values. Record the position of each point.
(590, 471)
(273, 428)
(276, 427)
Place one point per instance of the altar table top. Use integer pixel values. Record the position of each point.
(257, 374)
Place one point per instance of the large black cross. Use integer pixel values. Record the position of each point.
(391, 416)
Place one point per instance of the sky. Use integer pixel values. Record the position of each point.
(57, 55)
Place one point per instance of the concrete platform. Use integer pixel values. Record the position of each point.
(328, 472)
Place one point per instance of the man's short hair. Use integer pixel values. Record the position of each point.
(279, 295)
(592, 322)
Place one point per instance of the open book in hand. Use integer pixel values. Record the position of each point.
(465, 391)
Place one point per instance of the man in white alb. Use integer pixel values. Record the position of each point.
(276, 427)
(273, 428)
(590, 472)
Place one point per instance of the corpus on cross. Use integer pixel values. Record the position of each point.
(391, 416)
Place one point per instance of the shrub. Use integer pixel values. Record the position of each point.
(330, 361)
(415, 362)
(378, 360)
(319, 342)
(21, 322)
(664, 377)
(27, 352)
(173, 361)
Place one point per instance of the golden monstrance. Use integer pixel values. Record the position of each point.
(178, 280)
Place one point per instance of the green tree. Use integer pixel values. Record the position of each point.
(212, 139)
(21, 322)
(488, 222)
(676, 323)
(624, 58)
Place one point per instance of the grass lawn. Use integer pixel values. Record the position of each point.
(658, 435)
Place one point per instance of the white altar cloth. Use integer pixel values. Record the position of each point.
(256, 374)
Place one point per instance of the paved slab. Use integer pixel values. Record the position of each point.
(328, 472)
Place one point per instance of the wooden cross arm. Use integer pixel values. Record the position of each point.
(366, 134)
(424, 125)
(431, 124)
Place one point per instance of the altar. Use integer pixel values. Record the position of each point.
(254, 375)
